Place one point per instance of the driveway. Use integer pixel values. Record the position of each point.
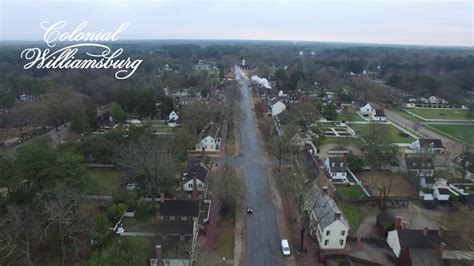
(263, 240)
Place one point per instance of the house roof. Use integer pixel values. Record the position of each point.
(431, 143)
(415, 239)
(379, 112)
(189, 208)
(337, 168)
(176, 227)
(367, 105)
(323, 207)
(211, 130)
(419, 162)
(425, 257)
(443, 191)
(310, 166)
(195, 168)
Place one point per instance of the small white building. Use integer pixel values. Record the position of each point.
(209, 140)
(173, 119)
(327, 223)
(337, 168)
(378, 115)
(441, 194)
(366, 110)
(277, 107)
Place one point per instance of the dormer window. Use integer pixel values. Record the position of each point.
(333, 164)
(341, 164)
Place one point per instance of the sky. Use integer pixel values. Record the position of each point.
(423, 22)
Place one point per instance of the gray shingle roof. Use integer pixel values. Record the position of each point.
(323, 207)
(431, 143)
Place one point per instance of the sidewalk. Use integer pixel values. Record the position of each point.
(207, 241)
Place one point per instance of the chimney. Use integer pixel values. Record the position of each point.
(159, 255)
(195, 190)
(325, 189)
(337, 215)
(404, 225)
(440, 231)
(398, 223)
(162, 197)
(442, 248)
(425, 231)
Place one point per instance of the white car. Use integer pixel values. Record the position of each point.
(285, 248)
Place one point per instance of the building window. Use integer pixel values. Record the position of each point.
(343, 233)
(190, 185)
(200, 186)
(341, 242)
(328, 232)
(326, 242)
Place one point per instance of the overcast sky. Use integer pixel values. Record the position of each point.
(367, 21)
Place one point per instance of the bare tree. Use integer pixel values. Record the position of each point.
(149, 160)
(60, 209)
(19, 236)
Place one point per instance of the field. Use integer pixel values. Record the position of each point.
(397, 185)
(349, 117)
(392, 133)
(438, 113)
(463, 133)
(103, 182)
(352, 214)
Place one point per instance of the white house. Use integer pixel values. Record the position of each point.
(366, 110)
(378, 115)
(327, 223)
(196, 172)
(337, 168)
(277, 107)
(209, 140)
(436, 100)
(173, 119)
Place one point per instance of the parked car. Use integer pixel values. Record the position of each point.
(285, 247)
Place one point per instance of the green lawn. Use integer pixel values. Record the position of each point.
(461, 132)
(439, 113)
(140, 224)
(230, 144)
(392, 133)
(349, 117)
(103, 182)
(350, 192)
(352, 214)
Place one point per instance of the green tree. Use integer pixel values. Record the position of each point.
(80, 123)
(101, 236)
(329, 111)
(118, 114)
(7, 172)
(34, 161)
(379, 153)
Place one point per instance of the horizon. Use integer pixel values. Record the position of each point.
(378, 22)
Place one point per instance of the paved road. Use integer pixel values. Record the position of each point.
(263, 241)
(454, 148)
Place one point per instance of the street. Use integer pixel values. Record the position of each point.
(263, 241)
